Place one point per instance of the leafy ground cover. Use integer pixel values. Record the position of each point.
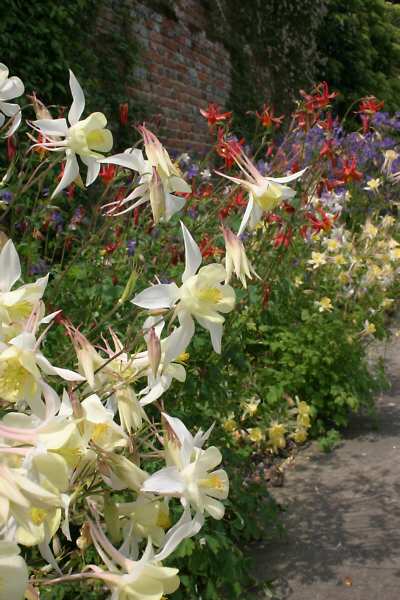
(254, 315)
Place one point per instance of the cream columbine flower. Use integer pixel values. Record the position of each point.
(13, 572)
(17, 305)
(88, 138)
(373, 185)
(202, 294)
(192, 477)
(276, 434)
(145, 578)
(265, 193)
(324, 305)
(10, 87)
(236, 259)
(21, 363)
(159, 180)
(317, 259)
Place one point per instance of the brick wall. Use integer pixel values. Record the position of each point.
(179, 72)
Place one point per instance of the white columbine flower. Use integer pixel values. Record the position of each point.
(21, 363)
(202, 294)
(13, 572)
(17, 305)
(87, 139)
(159, 180)
(191, 477)
(265, 193)
(10, 87)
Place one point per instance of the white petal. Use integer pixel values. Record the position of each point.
(10, 267)
(49, 369)
(162, 295)
(93, 169)
(78, 103)
(183, 529)
(215, 330)
(246, 215)
(179, 429)
(178, 341)
(193, 256)
(14, 123)
(130, 160)
(71, 172)
(52, 127)
(167, 481)
(173, 204)
(288, 178)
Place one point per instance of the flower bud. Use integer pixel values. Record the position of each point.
(154, 350)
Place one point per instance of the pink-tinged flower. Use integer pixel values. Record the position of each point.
(236, 259)
(213, 114)
(265, 193)
(159, 183)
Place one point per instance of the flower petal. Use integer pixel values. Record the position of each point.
(71, 172)
(78, 99)
(10, 267)
(193, 256)
(162, 295)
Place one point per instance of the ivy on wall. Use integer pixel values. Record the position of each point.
(39, 41)
(272, 46)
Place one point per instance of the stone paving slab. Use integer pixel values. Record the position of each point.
(343, 513)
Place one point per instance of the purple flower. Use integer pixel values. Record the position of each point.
(40, 268)
(193, 171)
(131, 247)
(6, 196)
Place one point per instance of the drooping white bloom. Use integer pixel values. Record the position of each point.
(192, 476)
(87, 138)
(265, 193)
(16, 305)
(10, 87)
(13, 572)
(159, 180)
(202, 294)
(236, 259)
(145, 578)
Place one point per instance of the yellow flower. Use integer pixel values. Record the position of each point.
(255, 435)
(298, 281)
(317, 259)
(333, 245)
(373, 185)
(300, 436)
(325, 304)
(276, 435)
(230, 425)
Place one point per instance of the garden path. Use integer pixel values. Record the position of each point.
(343, 512)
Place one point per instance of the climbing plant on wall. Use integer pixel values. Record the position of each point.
(52, 37)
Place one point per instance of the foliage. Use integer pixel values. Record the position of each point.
(360, 45)
(324, 254)
(54, 37)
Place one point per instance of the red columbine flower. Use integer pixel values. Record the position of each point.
(349, 171)
(324, 223)
(123, 113)
(107, 173)
(213, 114)
(370, 105)
(228, 148)
(283, 238)
(267, 117)
(319, 98)
(328, 150)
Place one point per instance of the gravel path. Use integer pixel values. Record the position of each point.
(343, 517)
